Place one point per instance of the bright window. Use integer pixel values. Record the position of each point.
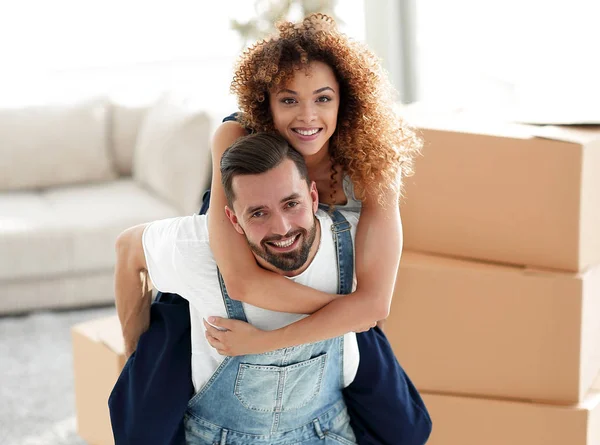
(127, 46)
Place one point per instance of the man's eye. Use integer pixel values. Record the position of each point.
(288, 101)
(292, 204)
(257, 214)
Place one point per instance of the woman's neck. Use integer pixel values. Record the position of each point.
(318, 163)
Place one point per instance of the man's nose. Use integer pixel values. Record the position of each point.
(280, 224)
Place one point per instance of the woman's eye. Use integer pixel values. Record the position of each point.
(288, 101)
(324, 99)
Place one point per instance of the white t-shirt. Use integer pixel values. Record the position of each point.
(180, 261)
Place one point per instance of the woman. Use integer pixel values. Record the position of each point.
(328, 97)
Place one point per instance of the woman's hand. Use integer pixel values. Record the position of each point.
(236, 338)
(365, 328)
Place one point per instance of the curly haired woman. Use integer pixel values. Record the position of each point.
(354, 146)
(329, 98)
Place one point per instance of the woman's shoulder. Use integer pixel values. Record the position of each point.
(353, 204)
(226, 133)
(233, 117)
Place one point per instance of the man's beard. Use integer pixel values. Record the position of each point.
(287, 261)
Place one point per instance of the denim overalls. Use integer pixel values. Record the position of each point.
(292, 395)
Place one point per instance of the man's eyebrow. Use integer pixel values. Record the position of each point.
(320, 90)
(292, 196)
(253, 209)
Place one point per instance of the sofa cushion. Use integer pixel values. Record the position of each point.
(77, 290)
(71, 229)
(49, 145)
(125, 123)
(172, 154)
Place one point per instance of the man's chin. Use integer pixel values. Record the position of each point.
(286, 265)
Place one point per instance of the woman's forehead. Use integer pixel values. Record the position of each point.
(307, 76)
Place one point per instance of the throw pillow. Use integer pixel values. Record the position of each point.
(55, 144)
(172, 153)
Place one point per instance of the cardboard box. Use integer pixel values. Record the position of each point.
(496, 331)
(478, 421)
(98, 358)
(509, 193)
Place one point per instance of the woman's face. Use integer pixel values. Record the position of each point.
(305, 110)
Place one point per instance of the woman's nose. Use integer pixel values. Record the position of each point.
(307, 113)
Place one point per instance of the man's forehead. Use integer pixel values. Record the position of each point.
(269, 188)
(248, 199)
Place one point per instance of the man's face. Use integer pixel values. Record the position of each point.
(275, 211)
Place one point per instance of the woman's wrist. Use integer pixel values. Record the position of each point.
(269, 341)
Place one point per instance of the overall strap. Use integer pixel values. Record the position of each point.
(234, 308)
(342, 237)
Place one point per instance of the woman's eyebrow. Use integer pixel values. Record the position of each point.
(285, 90)
(320, 90)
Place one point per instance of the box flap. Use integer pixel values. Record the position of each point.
(462, 121)
(112, 336)
(104, 330)
(485, 122)
(585, 113)
(573, 134)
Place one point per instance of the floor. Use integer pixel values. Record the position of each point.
(37, 402)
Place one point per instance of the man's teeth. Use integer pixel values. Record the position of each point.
(307, 132)
(283, 244)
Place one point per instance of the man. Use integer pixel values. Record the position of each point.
(291, 395)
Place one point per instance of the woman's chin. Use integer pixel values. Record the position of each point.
(308, 149)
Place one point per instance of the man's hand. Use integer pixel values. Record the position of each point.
(235, 337)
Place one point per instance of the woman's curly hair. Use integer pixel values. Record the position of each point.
(371, 143)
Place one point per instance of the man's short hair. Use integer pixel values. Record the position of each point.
(255, 154)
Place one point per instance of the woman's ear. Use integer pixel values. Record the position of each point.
(234, 220)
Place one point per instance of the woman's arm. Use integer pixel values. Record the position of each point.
(245, 280)
(378, 248)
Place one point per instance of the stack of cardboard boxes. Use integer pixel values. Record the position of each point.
(496, 313)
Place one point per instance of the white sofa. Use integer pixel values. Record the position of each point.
(74, 175)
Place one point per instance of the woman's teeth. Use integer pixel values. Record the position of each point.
(307, 132)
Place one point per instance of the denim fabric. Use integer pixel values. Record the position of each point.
(321, 431)
(292, 395)
(342, 236)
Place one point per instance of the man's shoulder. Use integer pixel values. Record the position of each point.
(193, 228)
